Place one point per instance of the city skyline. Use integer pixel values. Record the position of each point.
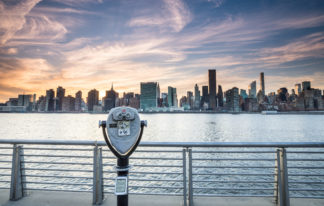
(81, 45)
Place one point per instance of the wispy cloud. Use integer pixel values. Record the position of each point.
(13, 18)
(174, 15)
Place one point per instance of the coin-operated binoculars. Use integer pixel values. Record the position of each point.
(125, 130)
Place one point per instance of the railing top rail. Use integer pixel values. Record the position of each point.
(168, 144)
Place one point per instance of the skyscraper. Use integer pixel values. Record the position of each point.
(110, 99)
(172, 97)
(297, 89)
(204, 98)
(212, 88)
(232, 100)
(197, 98)
(92, 99)
(190, 99)
(149, 95)
(252, 90)
(49, 104)
(60, 93)
(220, 96)
(306, 85)
(262, 83)
(78, 101)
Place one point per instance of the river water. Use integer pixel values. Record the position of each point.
(170, 127)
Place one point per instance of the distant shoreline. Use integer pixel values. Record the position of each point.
(187, 112)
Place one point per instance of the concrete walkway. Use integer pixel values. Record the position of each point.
(41, 198)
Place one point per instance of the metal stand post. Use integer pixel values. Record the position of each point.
(17, 174)
(283, 177)
(98, 190)
(122, 170)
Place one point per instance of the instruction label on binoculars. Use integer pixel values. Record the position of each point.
(123, 128)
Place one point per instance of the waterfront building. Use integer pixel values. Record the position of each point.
(298, 89)
(12, 102)
(220, 96)
(41, 104)
(232, 100)
(149, 95)
(135, 101)
(78, 101)
(60, 93)
(204, 98)
(172, 97)
(252, 89)
(212, 88)
(306, 85)
(164, 99)
(25, 100)
(34, 103)
(92, 99)
(243, 93)
(251, 105)
(184, 102)
(282, 94)
(49, 104)
(109, 101)
(190, 100)
(262, 87)
(68, 104)
(309, 98)
(197, 98)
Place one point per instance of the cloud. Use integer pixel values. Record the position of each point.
(174, 15)
(13, 18)
(309, 46)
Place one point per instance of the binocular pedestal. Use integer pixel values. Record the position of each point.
(122, 171)
(124, 129)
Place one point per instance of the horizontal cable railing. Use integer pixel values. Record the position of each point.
(189, 169)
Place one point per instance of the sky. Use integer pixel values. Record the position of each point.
(86, 44)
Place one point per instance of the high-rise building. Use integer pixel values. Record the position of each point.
(164, 99)
(92, 99)
(243, 93)
(220, 96)
(306, 85)
(49, 104)
(252, 89)
(68, 104)
(298, 89)
(204, 98)
(212, 88)
(110, 99)
(282, 94)
(60, 93)
(190, 99)
(232, 100)
(41, 104)
(149, 95)
(172, 97)
(197, 98)
(78, 101)
(262, 83)
(24, 100)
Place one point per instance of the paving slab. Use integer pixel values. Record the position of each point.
(46, 198)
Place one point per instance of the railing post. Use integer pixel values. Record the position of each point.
(184, 170)
(190, 195)
(276, 180)
(283, 177)
(97, 191)
(17, 178)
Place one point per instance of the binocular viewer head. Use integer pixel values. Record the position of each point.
(124, 129)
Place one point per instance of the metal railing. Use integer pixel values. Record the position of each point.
(183, 169)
